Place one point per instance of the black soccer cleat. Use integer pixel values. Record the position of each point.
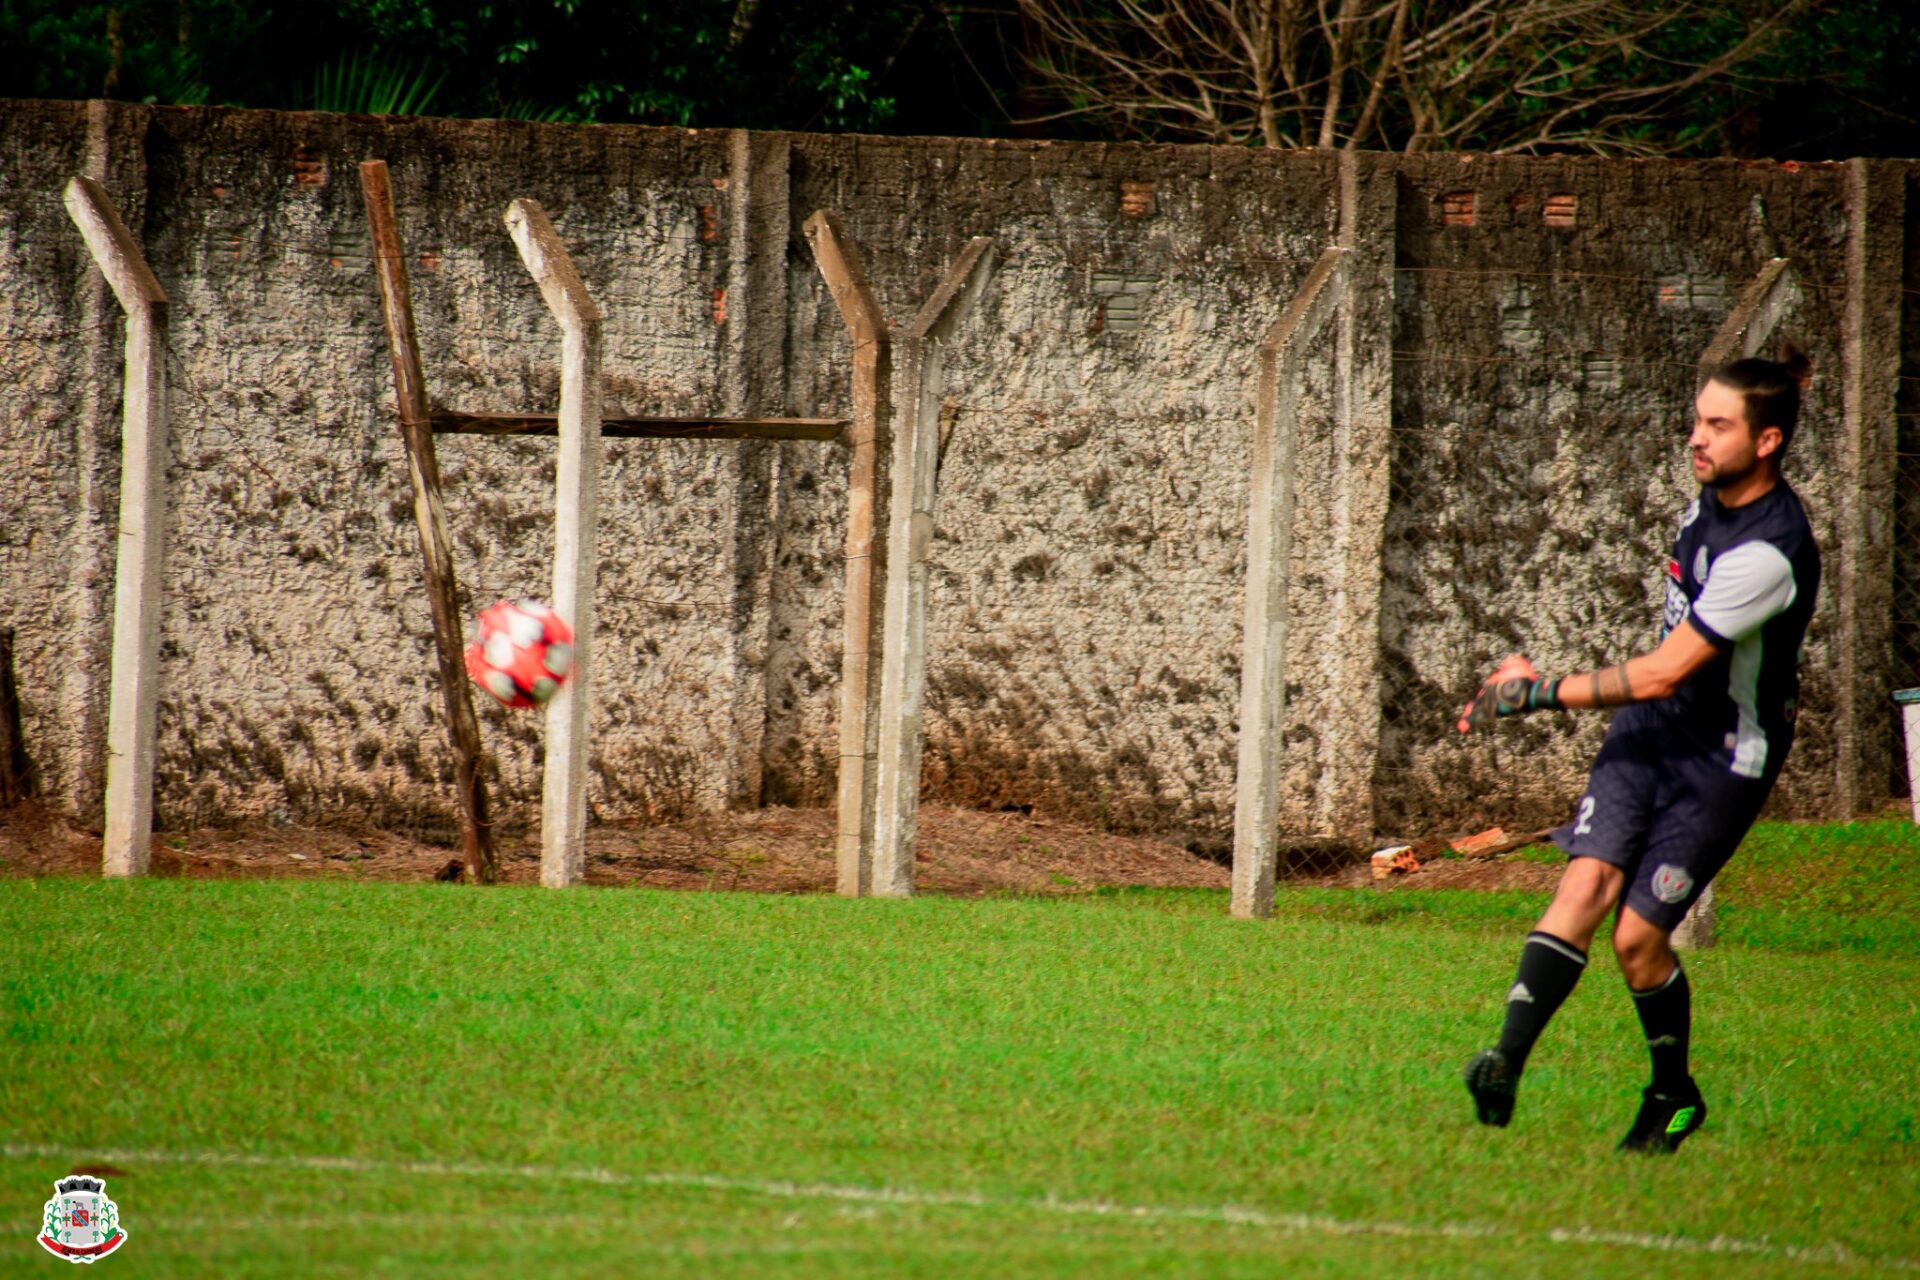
(1665, 1120)
(1492, 1084)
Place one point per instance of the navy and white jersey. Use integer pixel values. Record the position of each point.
(1746, 577)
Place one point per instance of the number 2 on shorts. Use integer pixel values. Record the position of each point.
(1585, 824)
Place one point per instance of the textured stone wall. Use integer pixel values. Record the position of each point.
(1089, 561)
(1545, 361)
(1083, 635)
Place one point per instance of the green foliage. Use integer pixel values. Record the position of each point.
(358, 83)
(801, 64)
(537, 113)
(1844, 80)
(143, 50)
(1847, 83)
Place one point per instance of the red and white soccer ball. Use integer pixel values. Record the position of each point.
(524, 653)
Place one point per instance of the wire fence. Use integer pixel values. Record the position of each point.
(1550, 539)
(1476, 529)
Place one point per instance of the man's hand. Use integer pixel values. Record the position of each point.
(1513, 689)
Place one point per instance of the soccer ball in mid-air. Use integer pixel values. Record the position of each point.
(523, 654)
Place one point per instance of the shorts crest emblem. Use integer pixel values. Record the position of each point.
(1671, 884)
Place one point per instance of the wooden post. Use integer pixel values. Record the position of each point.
(846, 278)
(563, 806)
(1745, 330)
(1263, 673)
(143, 530)
(903, 651)
(429, 514)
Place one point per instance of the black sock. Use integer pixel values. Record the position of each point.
(1549, 967)
(1666, 1015)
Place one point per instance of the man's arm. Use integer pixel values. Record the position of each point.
(1748, 585)
(1643, 678)
(1516, 688)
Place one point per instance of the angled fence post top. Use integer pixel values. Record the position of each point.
(1754, 315)
(942, 313)
(903, 651)
(132, 697)
(550, 265)
(846, 277)
(1747, 327)
(1270, 503)
(1312, 304)
(115, 249)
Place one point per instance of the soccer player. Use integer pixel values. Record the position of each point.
(1705, 724)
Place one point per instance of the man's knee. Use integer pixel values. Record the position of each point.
(1590, 886)
(1643, 949)
(1588, 889)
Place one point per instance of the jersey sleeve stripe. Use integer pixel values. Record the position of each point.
(1707, 633)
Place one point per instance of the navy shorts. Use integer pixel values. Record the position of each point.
(1663, 811)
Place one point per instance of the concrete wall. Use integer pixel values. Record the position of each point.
(1544, 377)
(1089, 558)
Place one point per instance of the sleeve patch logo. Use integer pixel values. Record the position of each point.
(1676, 609)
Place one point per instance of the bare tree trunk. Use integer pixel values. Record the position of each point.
(1387, 66)
(1341, 40)
(1492, 75)
(116, 54)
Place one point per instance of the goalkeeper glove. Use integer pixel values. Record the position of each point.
(1515, 696)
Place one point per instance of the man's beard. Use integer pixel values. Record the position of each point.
(1723, 479)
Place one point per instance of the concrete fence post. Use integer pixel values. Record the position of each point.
(1756, 312)
(127, 849)
(563, 806)
(753, 379)
(1359, 486)
(867, 496)
(1863, 572)
(903, 652)
(1263, 674)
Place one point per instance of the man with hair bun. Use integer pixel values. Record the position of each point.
(1705, 724)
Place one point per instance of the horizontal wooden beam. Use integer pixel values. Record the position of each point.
(447, 422)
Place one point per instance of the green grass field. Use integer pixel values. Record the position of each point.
(316, 1078)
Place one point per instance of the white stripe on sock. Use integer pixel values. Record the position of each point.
(1549, 941)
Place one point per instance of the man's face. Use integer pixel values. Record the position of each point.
(1725, 447)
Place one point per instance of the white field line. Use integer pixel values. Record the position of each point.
(1298, 1223)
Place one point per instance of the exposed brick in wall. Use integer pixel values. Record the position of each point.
(1534, 322)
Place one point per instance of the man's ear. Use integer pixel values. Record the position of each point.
(1768, 442)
